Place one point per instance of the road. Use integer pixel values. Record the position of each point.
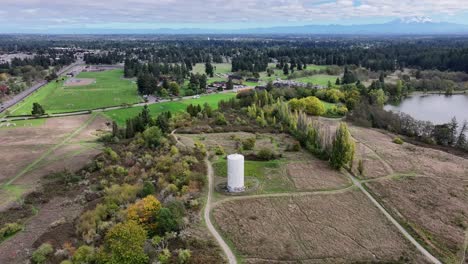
(104, 109)
(229, 254)
(17, 98)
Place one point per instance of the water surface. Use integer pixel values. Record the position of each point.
(438, 109)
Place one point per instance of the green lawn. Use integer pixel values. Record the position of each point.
(121, 115)
(254, 169)
(218, 68)
(109, 90)
(320, 79)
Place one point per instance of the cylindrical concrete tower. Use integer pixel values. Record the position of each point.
(235, 168)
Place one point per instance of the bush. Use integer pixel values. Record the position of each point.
(248, 144)
(361, 167)
(296, 146)
(219, 150)
(184, 256)
(123, 244)
(266, 154)
(153, 137)
(164, 256)
(398, 141)
(166, 221)
(40, 255)
(84, 255)
(148, 189)
(220, 120)
(9, 230)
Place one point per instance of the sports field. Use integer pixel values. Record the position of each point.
(121, 115)
(109, 89)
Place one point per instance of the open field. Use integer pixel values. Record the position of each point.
(292, 172)
(73, 82)
(28, 153)
(327, 228)
(320, 79)
(121, 115)
(108, 90)
(427, 190)
(218, 68)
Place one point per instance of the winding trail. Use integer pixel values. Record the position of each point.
(355, 183)
(229, 254)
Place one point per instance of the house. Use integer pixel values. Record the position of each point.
(252, 80)
(236, 77)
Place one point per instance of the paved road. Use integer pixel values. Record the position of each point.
(230, 256)
(17, 98)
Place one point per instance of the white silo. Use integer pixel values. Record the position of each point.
(235, 167)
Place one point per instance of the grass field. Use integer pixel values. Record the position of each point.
(121, 115)
(218, 68)
(319, 79)
(109, 90)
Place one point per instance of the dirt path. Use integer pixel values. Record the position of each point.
(229, 254)
(403, 231)
(49, 151)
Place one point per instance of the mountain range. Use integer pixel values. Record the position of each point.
(404, 26)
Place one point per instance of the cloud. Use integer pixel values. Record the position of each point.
(88, 12)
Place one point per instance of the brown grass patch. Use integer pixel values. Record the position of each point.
(334, 228)
(73, 82)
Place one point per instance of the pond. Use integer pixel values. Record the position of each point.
(438, 109)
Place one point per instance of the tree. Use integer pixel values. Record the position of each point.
(144, 212)
(123, 244)
(377, 97)
(348, 77)
(342, 148)
(229, 84)
(209, 69)
(184, 256)
(285, 69)
(338, 82)
(37, 110)
(153, 137)
(166, 221)
(313, 106)
(174, 88)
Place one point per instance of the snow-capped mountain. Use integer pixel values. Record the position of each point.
(415, 20)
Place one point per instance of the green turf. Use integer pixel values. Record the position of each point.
(109, 90)
(251, 168)
(319, 79)
(23, 123)
(218, 68)
(121, 115)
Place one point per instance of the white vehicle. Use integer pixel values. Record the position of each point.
(196, 97)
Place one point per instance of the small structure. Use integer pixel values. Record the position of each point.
(235, 168)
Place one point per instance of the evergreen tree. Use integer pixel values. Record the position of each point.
(37, 110)
(285, 69)
(209, 69)
(338, 81)
(343, 148)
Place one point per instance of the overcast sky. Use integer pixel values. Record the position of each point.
(51, 15)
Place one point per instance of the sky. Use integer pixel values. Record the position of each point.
(48, 16)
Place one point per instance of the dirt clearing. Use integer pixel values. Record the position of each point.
(28, 153)
(331, 228)
(73, 82)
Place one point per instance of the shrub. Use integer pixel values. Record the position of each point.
(123, 244)
(164, 256)
(66, 262)
(148, 189)
(266, 154)
(153, 137)
(40, 255)
(184, 256)
(361, 167)
(9, 230)
(220, 120)
(84, 255)
(398, 141)
(248, 144)
(296, 146)
(111, 154)
(144, 212)
(166, 221)
(219, 150)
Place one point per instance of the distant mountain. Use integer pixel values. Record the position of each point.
(418, 25)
